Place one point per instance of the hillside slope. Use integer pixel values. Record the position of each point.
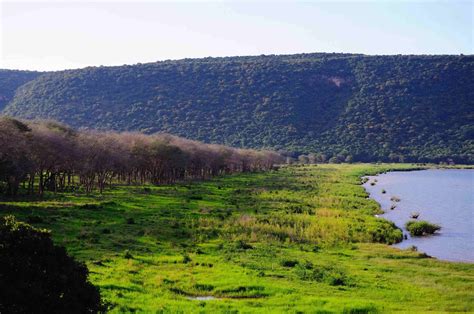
(10, 80)
(367, 108)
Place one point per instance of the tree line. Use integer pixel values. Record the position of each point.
(47, 156)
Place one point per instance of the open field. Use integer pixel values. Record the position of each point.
(300, 239)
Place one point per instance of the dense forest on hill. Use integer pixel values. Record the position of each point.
(10, 80)
(340, 106)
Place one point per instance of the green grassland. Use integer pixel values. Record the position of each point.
(300, 239)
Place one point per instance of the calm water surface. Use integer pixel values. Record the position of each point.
(444, 197)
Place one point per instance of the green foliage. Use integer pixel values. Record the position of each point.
(242, 245)
(332, 275)
(10, 80)
(340, 268)
(39, 277)
(289, 263)
(421, 228)
(345, 107)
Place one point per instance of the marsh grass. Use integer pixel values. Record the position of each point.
(421, 228)
(298, 239)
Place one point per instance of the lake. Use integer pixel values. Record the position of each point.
(441, 196)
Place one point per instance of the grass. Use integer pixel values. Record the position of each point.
(301, 239)
(421, 228)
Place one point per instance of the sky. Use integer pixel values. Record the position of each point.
(60, 35)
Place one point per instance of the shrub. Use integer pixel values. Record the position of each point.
(421, 228)
(289, 263)
(242, 245)
(329, 274)
(186, 259)
(127, 254)
(383, 231)
(37, 276)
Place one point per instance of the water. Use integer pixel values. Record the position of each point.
(203, 298)
(441, 196)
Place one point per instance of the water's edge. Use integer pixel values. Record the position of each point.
(437, 245)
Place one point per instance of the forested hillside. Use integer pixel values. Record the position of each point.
(341, 106)
(10, 80)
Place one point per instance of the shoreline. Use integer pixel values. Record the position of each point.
(438, 245)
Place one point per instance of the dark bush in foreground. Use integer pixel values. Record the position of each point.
(38, 277)
(421, 228)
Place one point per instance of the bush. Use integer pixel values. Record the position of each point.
(38, 277)
(242, 245)
(127, 254)
(327, 273)
(186, 259)
(289, 263)
(384, 231)
(421, 228)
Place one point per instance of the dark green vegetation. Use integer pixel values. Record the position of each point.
(421, 228)
(343, 107)
(10, 81)
(300, 239)
(38, 277)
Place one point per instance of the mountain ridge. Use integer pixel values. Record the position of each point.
(345, 106)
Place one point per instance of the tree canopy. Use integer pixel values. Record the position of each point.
(365, 108)
(47, 156)
(38, 277)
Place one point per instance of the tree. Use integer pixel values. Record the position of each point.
(303, 159)
(14, 148)
(312, 158)
(37, 276)
(349, 159)
(51, 156)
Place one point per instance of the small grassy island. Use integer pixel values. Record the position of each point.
(302, 238)
(421, 228)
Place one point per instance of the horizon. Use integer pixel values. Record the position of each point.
(237, 56)
(52, 36)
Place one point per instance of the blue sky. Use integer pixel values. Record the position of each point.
(59, 35)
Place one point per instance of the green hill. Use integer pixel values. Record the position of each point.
(10, 80)
(364, 108)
